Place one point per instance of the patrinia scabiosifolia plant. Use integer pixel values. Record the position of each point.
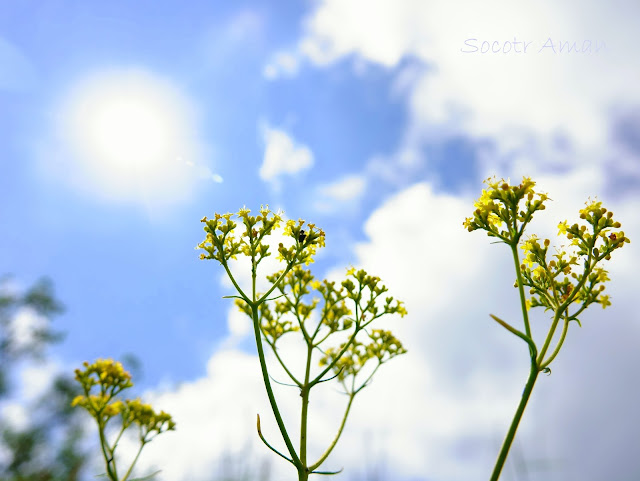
(102, 382)
(336, 324)
(564, 283)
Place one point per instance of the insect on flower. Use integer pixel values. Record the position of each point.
(301, 236)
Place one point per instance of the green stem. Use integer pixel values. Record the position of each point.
(108, 458)
(267, 385)
(319, 377)
(525, 314)
(284, 366)
(233, 281)
(126, 476)
(304, 393)
(303, 474)
(294, 307)
(508, 440)
(557, 349)
(275, 284)
(344, 348)
(533, 374)
(317, 464)
(366, 382)
(547, 341)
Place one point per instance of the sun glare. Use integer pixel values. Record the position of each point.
(131, 134)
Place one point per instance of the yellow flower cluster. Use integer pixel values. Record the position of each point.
(383, 346)
(556, 283)
(568, 276)
(150, 421)
(109, 379)
(104, 372)
(221, 243)
(598, 236)
(499, 210)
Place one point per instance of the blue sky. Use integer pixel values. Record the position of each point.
(216, 57)
(123, 123)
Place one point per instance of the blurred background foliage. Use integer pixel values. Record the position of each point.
(48, 447)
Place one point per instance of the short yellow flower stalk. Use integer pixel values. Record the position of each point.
(340, 333)
(564, 283)
(102, 382)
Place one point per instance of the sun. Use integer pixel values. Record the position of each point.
(131, 133)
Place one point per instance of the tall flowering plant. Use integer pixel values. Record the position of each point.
(564, 284)
(102, 383)
(333, 322)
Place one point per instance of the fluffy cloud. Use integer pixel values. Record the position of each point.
(554, 105)
(282, 64)
(283, 155)
(344, 191)
(491, 93)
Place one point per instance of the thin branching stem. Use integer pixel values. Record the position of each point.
(339, 433)
(506, 445)
(555, 352)
(525, 314)
(267, 384)
(135, 460)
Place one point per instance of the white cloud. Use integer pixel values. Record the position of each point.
(489, 92)
(282, 64)
(540, 108)
(335, 195)
(339, 28)
(127, 135)
(283, 155)
(347, 188)
(238, 323)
